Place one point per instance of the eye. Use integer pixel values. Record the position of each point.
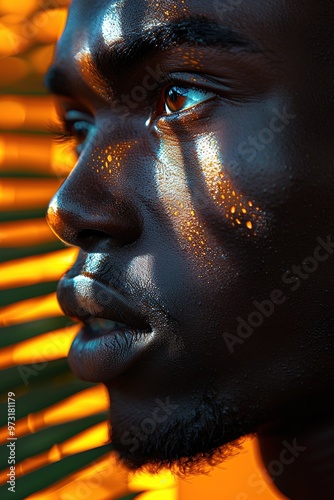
(79, 130)
(178, 98)
(73, 128)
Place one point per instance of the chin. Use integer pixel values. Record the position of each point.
(186, 442)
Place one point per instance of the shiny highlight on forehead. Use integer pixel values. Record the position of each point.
(112, 26)
(167, 9)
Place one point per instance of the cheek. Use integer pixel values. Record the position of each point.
(239, 211)
(195, 193)
(176, 198)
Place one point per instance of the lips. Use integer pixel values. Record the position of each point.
(114, 333)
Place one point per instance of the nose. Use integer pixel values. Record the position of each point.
(96, 204)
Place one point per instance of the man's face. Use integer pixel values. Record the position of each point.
(201, 200)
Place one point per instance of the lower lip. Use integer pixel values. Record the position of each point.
(100, 357)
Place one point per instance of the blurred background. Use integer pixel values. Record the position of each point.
(61, 445)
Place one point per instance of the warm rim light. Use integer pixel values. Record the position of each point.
(82, 404)
(30, 310)
(36, 269)
(95, 436)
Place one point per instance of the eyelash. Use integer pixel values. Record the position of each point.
(62, 132)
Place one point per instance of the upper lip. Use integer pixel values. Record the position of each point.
(84, 297)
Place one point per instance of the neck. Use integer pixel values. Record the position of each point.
(300, 458)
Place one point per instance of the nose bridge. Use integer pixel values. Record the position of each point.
(96, 198)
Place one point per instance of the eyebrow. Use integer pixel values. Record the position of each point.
(123, 54)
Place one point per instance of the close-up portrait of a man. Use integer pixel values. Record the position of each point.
(202, 203)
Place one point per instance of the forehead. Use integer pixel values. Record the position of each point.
(110, 21)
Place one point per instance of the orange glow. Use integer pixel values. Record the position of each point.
(83, 404)
(239, 477)
(19, 153)
(50, 24)
(34, 112)
(143, 481)
(14, 112)
(36, 269)
(46, 347)
(22, 8)
(11, 40)
(25, 233)
(105, 479)
(95, 436)
(63, 159)
(11, 19)
(165, 494)
(29, 310)
(41, 58)
(11, 68)
(18, 194)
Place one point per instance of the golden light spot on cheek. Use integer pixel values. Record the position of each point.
(176, 198)
(111, 159)
(239, 211)
(190, 229)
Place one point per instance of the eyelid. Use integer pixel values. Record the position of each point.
(194, 81)
(191, 81)
(206, 95)
(63, 130)
(73, 115)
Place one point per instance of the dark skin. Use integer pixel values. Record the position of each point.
(203, 187)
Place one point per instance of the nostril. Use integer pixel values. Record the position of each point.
(92, 237)
(89, 234)
(88, 237)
